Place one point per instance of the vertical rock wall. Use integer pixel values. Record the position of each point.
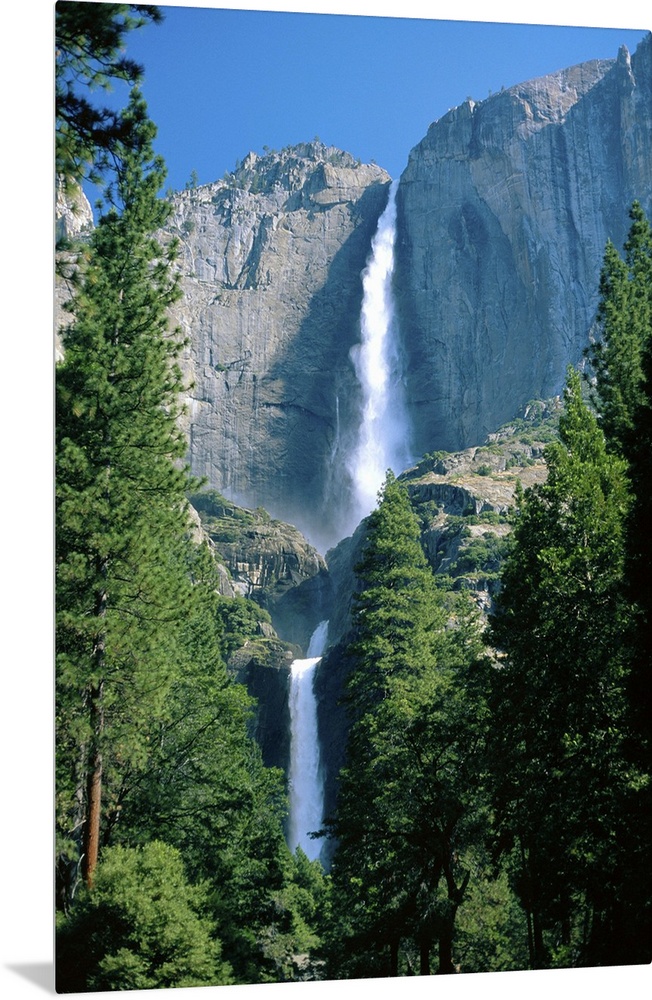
(271, 261)
(505, 208)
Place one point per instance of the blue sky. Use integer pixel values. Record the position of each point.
(221, 82)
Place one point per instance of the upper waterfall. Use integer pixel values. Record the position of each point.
(383, 433)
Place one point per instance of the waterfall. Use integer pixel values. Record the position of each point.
(381, 442)
(305, 779)
(383, 433)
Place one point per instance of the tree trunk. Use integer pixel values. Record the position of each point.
(393, 957)
(455, 895)
(424, 954)
(530, 938)
(526, 903)
(446, 967)
(540, 953)
(69, 870)
(91, 844)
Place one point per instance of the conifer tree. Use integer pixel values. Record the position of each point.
(121, 517)
(89, 42)
(563, 792)
(143, 926)
(622, 365)
(397, 870)
(624, 323)
(207, 792)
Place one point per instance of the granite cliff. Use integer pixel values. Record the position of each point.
(271, 258)
(505, 208)
(269, 562)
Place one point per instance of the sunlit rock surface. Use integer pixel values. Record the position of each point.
(505, 208)
(271, 258)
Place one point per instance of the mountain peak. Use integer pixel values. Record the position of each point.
(303, 166)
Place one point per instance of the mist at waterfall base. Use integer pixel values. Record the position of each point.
(306, 785)
(383, 437)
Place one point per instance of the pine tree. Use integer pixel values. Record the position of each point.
(122, 584)
(622, 364)
(142, 926)
(402, 801)
(562, 786)
(89, 42)
(396, 611)
(624, 322)
(207, 792)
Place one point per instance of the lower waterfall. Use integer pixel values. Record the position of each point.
(305, 779)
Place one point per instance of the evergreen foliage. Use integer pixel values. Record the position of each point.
(564, 795)
(89, 40)
(622, 365)
(403, 803)
(618, 358)
(207, 793)
(494, 807)
(157, 773)
(241, 619)
(557, 790)
(122, 524)
(142, 926)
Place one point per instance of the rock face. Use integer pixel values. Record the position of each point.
(73, 221)
(264, 668)
(271, 259)
(73, 213)
(505, 208)
(269, 562)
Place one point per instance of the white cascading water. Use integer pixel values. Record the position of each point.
(305, 779)
(382, 443)
(383, 434)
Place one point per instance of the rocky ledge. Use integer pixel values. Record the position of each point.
(268, 561)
